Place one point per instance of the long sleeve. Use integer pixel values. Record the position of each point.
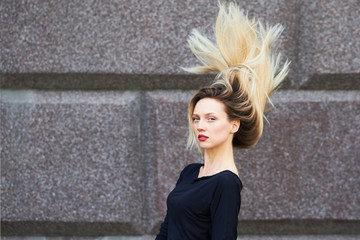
(202, 208)
(163, 234)
(225, 208)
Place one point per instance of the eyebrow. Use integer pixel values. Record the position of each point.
(207, 114)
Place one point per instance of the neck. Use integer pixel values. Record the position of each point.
(218, 159)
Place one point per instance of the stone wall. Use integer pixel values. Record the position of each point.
(93, 118)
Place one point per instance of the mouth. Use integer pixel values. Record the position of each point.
(202, 137)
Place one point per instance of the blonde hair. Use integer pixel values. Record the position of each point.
(247, 67)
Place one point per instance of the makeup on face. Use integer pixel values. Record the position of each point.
(210, 123)
(202, 137)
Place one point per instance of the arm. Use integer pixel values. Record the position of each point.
(163, 234)
(163, 230)
(225, 208)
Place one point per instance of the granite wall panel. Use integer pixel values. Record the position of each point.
(329, 43)
(72, 157)
(246, 237)
(117, 36)
(169, 120)
(103, 162)
(92, 157)
(124, 37)
(306, 165)
(307, 161)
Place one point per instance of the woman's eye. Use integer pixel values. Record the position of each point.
(195, 119)
(211, 119)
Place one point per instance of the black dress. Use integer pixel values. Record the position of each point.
(202, 208)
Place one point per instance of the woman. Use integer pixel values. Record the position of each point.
(229, 113)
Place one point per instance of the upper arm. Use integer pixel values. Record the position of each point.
(163, 233)
(185, 172)
(225, 208)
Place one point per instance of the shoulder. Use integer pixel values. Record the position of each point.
(227, 191)
(189, 170)
(191, 167)
(228, 180)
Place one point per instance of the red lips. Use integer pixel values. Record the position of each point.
(202, 137)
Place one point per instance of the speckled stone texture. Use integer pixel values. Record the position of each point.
(169, 146)
(124, 37)
(117, 36)
(107, 160)
(249, 237)
(306, 166)
(72, 157)
(93, 117)
(329, 36)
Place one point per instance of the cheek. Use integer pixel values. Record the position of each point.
(221, 129)
(193, 127)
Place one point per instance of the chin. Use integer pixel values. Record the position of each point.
(205, 146)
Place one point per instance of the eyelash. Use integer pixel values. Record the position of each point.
(210, 119)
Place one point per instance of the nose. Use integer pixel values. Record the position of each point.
(200, 126)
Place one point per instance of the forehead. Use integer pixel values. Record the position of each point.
(209, 105)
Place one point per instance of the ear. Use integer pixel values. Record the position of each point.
(235, 124)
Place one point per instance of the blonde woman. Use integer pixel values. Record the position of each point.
(229, 113)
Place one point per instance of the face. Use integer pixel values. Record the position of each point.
(211, 125)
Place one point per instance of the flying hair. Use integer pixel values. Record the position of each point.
(248, 70)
